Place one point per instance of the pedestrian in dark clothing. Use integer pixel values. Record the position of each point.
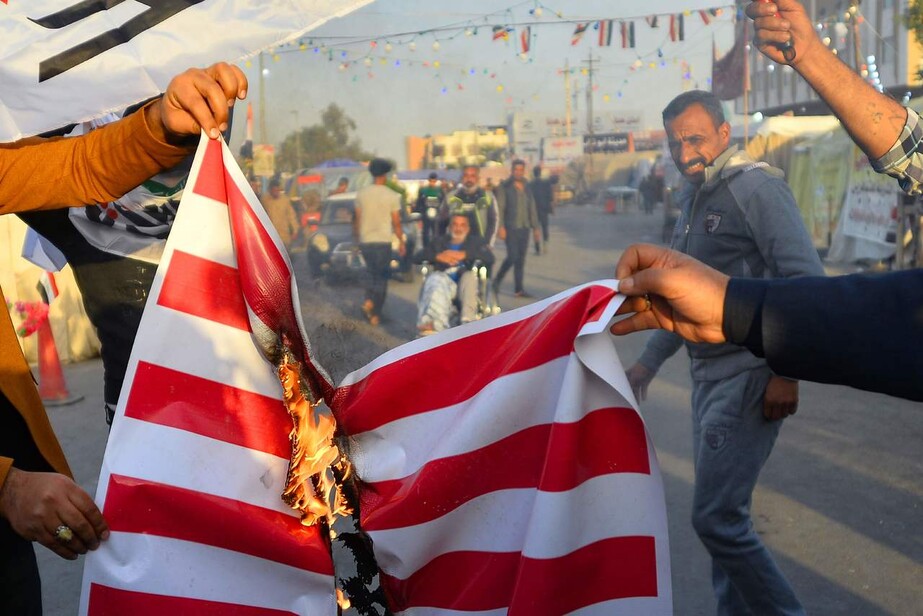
(377, 217)
(430, 205)
(544, 206)
(517, 213)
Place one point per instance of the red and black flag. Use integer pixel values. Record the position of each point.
(525, 39)
(677, 28)
(628, 34)
(605, 33)
(579, 31)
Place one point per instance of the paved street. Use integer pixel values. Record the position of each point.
(840, 502)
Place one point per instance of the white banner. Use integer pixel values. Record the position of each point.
(66, 61)
(869, 210)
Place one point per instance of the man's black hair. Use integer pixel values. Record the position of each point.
(707, 100)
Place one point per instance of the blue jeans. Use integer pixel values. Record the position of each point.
(731, 442)
(377, 257)
(517, 246)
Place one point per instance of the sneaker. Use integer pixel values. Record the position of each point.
(524, 294)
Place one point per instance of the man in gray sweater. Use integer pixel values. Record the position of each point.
(739, 217)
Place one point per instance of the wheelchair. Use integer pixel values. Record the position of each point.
(487, 301)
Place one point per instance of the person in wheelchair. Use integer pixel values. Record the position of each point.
(478, 204)
(452, 258)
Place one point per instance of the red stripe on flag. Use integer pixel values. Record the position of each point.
(604, 442)
(434, 375)
(138, 506)
(205, 289)
(170, 398)
(210, 182)
(614, 568)
(108, 601)
(265, 278)
(264, 275)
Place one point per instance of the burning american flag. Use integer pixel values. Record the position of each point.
(500, 467)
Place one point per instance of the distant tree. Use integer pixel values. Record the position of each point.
(331, 138)
(913, 19)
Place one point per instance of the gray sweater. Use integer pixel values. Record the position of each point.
(744, 222)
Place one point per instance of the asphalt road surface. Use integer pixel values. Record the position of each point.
(840, 502)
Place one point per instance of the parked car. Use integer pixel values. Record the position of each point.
(322, 181)
(334, 255)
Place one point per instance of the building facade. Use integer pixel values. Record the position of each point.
(477, 146)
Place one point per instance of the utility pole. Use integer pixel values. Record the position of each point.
(297, 141)
(589, 119)
(567, 113)
(857, 43)
(589, 95)
(262, 136)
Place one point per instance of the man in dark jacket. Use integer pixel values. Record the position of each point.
(739, 216)
(518, 216)
(452, 256)
(544, 205)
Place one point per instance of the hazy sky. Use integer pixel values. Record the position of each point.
(389, 102)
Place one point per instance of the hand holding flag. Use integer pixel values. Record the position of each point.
(199, 99)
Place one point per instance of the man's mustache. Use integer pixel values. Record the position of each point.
(693, 163)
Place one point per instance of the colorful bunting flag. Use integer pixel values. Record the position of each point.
(605, 33)
(579, 31)
(677, 27)
(628, 34)
(525, 39)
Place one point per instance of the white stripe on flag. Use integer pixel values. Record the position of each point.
(402, 447)
(185, 460)
(205, 349)
(197, 571)
(210, 237)
(538, 524)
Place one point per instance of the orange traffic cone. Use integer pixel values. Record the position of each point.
(51, 385)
